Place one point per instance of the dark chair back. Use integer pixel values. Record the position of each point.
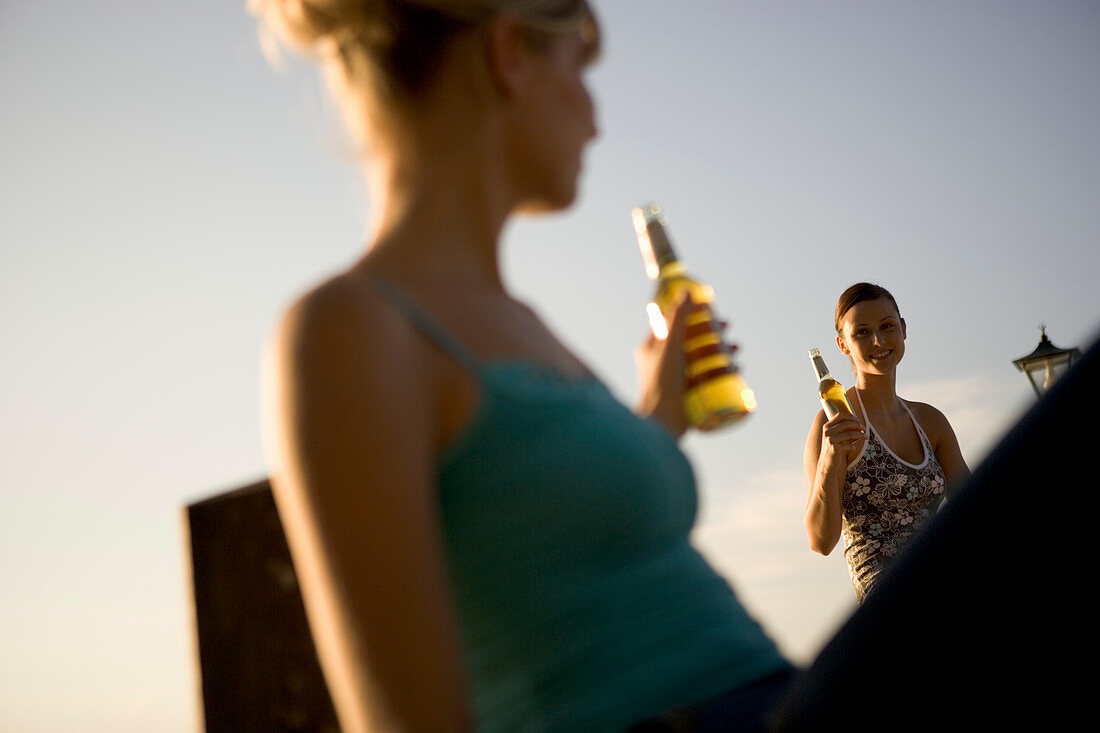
(257, 663)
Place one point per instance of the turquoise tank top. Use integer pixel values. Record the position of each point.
(581, 602)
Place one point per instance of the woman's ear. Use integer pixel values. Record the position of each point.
(840, 344)
(903, 334)
(507, 54)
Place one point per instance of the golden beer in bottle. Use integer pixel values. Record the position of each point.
(715, 394)
(830, 391)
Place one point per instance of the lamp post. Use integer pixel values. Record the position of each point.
(1046, 363)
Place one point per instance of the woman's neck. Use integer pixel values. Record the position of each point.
(878, 392)
(441, 173)
(440, 205)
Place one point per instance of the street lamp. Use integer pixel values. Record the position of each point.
(1044, 365)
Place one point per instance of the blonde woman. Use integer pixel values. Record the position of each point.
(485, 538)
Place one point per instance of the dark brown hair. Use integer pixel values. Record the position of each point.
(859, 293)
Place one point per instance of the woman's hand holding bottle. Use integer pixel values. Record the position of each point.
(662, 365)
(841, 442)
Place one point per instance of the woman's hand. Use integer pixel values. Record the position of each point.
(841, 441)
(662, 366)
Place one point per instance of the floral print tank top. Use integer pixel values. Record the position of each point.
(886, 499)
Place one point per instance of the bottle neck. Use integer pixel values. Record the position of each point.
(820, 369)
(670, 268)
(653, 241)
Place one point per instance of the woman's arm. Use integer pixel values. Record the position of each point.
(351, 425)
(830, 447)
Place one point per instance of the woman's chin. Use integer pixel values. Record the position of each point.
(547, 204)
(882, 366)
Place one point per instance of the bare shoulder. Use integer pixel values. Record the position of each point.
(933, 421)
(339, 308)
(342, 324)
(925, 410)
(344, 383)
(341, 356)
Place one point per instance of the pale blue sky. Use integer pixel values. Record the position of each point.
(163, 192)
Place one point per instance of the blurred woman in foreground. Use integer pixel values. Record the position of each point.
(485, 538)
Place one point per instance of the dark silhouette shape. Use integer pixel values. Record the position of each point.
(258, 666)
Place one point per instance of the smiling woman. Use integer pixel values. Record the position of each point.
(875, 477)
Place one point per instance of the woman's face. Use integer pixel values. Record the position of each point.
(561, 121)
(873, 335)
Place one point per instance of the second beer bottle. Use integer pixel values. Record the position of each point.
(715, 394)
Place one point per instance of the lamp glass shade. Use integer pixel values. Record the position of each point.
(1046, 364)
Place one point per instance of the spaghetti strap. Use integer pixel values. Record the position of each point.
(862, 409)
(426, 323)
(916, 424)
